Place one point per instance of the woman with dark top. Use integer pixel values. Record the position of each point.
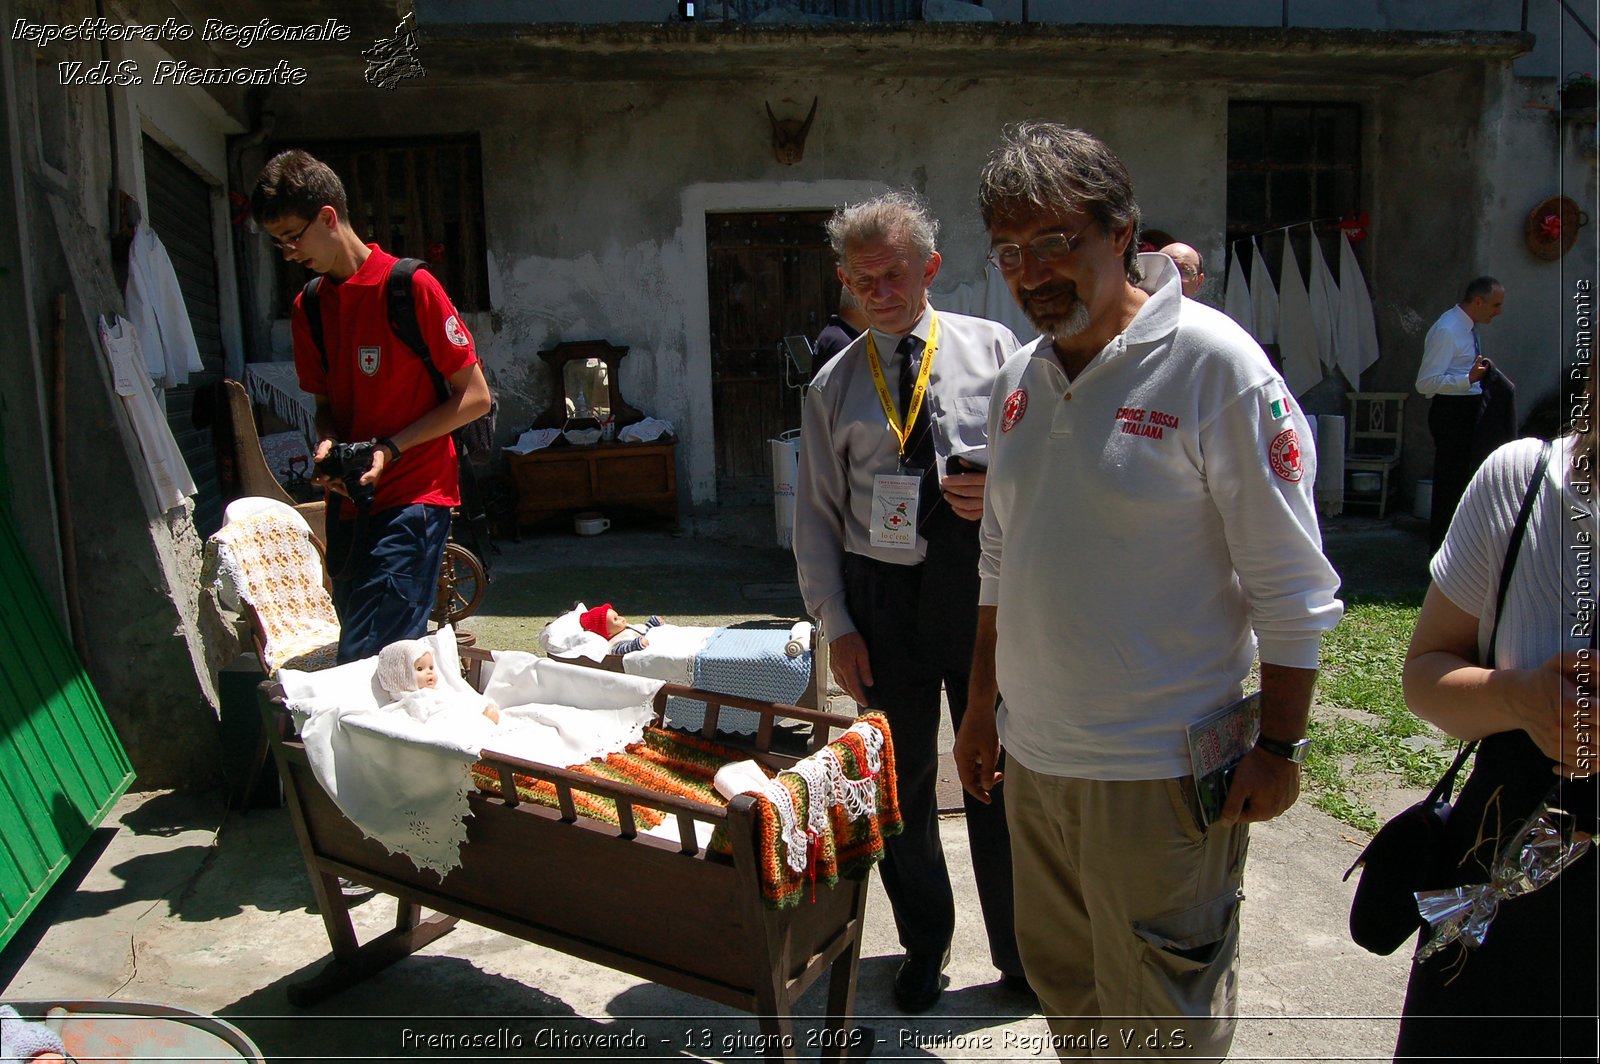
(1529, 990)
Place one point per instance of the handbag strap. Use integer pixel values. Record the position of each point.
(1447, 783)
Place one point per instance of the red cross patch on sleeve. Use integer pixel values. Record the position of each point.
(1016, 405)
(1284, 453)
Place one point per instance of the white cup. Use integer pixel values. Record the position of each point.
(590, 523)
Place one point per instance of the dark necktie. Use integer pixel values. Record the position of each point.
(919, 445)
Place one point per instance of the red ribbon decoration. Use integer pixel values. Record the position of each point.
(1550, 227)
(1355, 224)
(813, 841)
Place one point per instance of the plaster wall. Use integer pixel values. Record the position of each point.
(1463, 159)
(30, 500)
(138, 568)
(596, 197)
(596, 226)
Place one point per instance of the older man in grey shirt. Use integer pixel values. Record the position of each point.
(892, 448)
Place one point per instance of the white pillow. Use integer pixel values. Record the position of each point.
(566, 636)
(355, 684)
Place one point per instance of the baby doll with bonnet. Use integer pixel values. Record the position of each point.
(625, 638)
(407, 675)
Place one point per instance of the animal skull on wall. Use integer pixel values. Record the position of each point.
(789, 135)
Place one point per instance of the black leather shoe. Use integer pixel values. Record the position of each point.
(920, 981)
(1016, 983)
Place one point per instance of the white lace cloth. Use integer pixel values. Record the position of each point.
(827, 786)
(404, 782)
(263, 555)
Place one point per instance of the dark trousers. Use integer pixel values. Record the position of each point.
(1451, 420)
(919, 623)
(388, 572)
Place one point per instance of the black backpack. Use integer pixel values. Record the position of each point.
(475, 437)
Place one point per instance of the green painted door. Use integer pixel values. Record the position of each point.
(61, 765)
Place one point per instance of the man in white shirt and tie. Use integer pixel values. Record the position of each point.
(889, 498)
(1451, 373)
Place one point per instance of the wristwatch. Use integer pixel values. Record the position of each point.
(386, 442)
(1295, 751)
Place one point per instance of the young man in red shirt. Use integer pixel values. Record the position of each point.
(370, 386)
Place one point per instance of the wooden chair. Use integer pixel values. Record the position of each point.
(255, 476)
(267, 553)
(1372, 447)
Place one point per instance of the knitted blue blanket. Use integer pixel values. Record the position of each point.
(748, 662)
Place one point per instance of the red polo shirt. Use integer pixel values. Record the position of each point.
(377, 385)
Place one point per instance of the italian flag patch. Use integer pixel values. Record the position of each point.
(1279, 408)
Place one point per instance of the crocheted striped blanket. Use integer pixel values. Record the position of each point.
(826, 817)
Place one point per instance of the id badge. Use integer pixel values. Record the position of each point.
(894, 510)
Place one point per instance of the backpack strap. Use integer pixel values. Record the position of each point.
(311, 304)
(403, 319)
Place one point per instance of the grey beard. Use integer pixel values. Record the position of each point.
(1075, 322)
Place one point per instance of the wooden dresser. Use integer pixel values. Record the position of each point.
(564, 479)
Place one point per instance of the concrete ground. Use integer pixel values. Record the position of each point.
(180, 902)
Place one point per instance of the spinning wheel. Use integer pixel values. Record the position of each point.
(462, 583)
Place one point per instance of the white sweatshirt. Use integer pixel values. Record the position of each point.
(1141, 521)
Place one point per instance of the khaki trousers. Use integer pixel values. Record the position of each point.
(1127, 914)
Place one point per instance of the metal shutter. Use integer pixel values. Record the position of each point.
(180, 213)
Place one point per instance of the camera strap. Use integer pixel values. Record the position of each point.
(342, 572)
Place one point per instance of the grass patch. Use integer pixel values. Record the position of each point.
(1361, 725)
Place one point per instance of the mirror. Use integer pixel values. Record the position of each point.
(587, 383)
(586, 386)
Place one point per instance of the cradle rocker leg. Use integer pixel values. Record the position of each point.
(838, 1044)
(352, 963)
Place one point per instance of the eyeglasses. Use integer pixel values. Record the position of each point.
(294, 241)
(1051, 247)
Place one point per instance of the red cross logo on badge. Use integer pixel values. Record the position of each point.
(1284, 451)
(1015, 406)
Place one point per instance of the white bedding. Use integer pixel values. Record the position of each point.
(670, 655)
(405, 782)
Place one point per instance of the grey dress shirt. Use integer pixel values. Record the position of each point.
(845, 441)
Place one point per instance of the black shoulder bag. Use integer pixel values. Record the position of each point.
(1408, 853)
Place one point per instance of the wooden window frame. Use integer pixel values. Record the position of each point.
(398, 200)
(1316, 166)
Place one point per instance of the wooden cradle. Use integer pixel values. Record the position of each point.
(516, 877)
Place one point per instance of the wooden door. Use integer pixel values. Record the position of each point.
(771, 275)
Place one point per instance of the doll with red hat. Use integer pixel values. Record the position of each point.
(625, 638)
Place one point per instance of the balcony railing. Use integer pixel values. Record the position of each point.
(841, 10)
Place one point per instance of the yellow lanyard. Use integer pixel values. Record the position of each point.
(902, 433)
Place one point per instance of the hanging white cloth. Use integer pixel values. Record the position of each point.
(1236, 296)
(1263, 299)
(1328, 489)
(1297, 341)
(156, 306)
(1324, 295)
(1355, 332)
(168, 471)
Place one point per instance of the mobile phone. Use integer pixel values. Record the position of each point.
(958, 463)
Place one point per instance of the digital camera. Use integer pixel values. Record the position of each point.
(349, 462)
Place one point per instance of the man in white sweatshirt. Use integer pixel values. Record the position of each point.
(1148, 524)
